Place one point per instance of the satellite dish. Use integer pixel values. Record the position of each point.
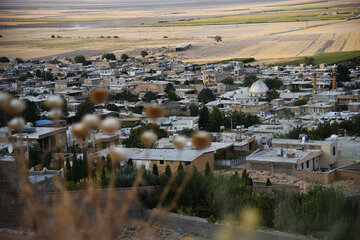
(10, 149)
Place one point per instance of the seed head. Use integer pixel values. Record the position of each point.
(99, 95)
(179, 142)
(54, 101)
(154, 111)
(200, 140)
(118, 154)
(17, 124)
(79, 130)
(148, 138)
(110, 124)
(91, 120)
(15, 107)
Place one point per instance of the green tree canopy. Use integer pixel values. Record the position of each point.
(169, 87)
(124, 57)
(80, 59)
(149, 96)
(4, 60)
(342, 74)
(272, 94)
(194, 110)
(84, 108)
(203, 118)
(108, 56)
(206, 95)
(31, 112)
(144, 53)
(273, 83)
(228, 81)
(215, 120)
(172, 96)
(125, 95)
(133, 140)
(249, 80)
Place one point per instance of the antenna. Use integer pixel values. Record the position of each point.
(314, 81)
(334, 78)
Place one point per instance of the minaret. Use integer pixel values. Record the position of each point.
(334, 78)
(314, 81)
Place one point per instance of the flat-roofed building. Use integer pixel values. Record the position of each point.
(168, 157)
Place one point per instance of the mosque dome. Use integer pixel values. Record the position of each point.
(258, 88)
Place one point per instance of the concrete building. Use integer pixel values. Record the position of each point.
(168, 157)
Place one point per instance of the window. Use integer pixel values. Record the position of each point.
(307, 164)
(161, 162)
(334, 150)
(302, 165)
(187, 163)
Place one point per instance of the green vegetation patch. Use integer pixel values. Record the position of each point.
(297, 9)
(260, 18)
(328, 58)
(244, 60)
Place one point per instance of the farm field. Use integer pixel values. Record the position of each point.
(272, 37)
(328, 58)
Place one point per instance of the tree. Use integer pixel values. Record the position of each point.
(68, 170)
(187, 132)
(249, 80)
(125, 95)
(144, 53)
(194, 110)
(218, 38)
(168, 172)
(35, 154)
(155, 170)
(133, 141)
(84, 108)
(4, 60)
(203, 118)
(149, 96)
(111, 107)
(268, 182)
(309, 61)
(273, 83)
(228, 81)
(272, 94)
(31, 112)
(108, 56)
(47, 76)
(215, 120)
(207, 169)
(64, 108)
(300, 102)
(206, 95)
(80, 59)
(172, 96)
(169, 87)
(342, 74)
(19, 60)
(124, 57)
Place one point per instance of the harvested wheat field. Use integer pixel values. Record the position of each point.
(290, 29)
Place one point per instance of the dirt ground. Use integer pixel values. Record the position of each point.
(349, 187)
(129, 232)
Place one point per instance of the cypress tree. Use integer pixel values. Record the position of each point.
(68, 170)
(155, 170)
(168, 172)
(207, 169)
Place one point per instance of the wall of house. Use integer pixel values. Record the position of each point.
(347, 175)
(199, 163)
(319, 177)
(327, 159)
(275, 167)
